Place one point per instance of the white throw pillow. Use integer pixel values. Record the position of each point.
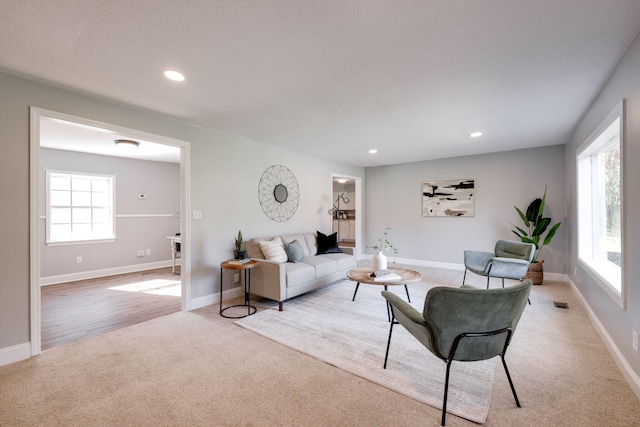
(273, 250)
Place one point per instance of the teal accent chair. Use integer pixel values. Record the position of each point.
(509, 260)
(465, 324)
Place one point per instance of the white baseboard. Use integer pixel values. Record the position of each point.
(15, 353)
(211, 299)
(627, 372)
(93, 274)
(453, 266)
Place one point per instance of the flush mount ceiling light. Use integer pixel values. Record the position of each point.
(475, 134)
(342, 180)
(373, 151)
(126, 143)
(174, 75)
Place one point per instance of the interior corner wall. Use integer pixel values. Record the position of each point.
(393, 198)
(618, 323)
(224, 175)
(141, 224)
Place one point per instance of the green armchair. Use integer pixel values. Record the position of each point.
(464, 324)
(509, 260)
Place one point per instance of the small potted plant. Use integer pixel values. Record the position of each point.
(239, 252)
(536, 225)
(383, 244)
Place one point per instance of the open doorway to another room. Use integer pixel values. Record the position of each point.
(106, 222)
(345, 212)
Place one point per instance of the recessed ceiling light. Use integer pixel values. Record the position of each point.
(373, 151)
(475, 134)
(126, 143)
(174, 75)
(342, 180)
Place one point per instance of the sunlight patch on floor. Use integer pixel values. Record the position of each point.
(155, 287)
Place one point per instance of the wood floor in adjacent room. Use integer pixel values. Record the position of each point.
(77, 310)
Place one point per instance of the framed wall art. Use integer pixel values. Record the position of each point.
(455, 197)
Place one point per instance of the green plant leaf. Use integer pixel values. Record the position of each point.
(542, 225)
(542, 203)
(523, 217)
(551, 233)
(533, 210)
(522, 232)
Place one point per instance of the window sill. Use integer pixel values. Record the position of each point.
(607, 275)
(81, 242)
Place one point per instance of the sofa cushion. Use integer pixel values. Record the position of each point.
(294, 251)
(324, 266)
(288, 238)
(298, 273)
(344, 261)
(327, 244)
(273, 250)
(312, 243)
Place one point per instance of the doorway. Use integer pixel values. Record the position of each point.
(38, 213)
(346, 210)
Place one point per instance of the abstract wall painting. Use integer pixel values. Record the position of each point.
(449, 198)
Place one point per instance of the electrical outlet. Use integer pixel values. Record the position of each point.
(635, 341)
(148, 251)
(197, 214)
(78, 260)
(141, 252)
(236, 279)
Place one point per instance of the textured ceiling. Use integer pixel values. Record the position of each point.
(335, 78)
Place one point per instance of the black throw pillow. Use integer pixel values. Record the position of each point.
(328, 244)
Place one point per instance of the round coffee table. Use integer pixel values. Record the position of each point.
(365, 275)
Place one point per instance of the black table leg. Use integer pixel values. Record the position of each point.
(354, 294)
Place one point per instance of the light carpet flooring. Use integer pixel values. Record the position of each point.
(353, 335)
(199, 369)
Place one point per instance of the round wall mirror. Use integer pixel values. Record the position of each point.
(280, 193)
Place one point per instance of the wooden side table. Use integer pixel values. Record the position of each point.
(246, 268)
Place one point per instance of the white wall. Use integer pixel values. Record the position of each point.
(618, 323)
(140, 223)
(393, 198)
(225, 171)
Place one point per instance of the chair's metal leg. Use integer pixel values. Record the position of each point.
(407, 290)
(386, 288)
(513, 390)
(503, 282)
(386, 356)
(446, 392)
(465, 276)
(354, 294)
(488, 277)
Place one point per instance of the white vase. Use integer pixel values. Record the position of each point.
(379, 261)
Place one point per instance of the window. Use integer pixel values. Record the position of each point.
(600, 200)
(79, 207)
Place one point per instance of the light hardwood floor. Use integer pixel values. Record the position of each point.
(77, 310)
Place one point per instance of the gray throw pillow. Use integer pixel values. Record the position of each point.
(294, 251)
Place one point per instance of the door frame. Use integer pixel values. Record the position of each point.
(36, 233)
(357, 252)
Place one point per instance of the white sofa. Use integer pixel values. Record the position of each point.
(280, 281)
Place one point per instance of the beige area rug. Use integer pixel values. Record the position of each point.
(352, 336)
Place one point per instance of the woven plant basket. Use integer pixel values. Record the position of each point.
(535, 273)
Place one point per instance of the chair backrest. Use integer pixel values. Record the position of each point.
(450, 312)
(512, 249)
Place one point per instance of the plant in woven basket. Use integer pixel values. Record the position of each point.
(536, 226)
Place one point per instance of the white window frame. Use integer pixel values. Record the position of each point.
(76, 241)
(604, 273)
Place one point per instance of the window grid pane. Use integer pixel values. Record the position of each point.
(80, 207)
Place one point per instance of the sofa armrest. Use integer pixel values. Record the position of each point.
(268, 280)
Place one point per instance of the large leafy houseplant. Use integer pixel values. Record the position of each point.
(536, 225)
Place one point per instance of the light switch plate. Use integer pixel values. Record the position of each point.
(197, 214)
